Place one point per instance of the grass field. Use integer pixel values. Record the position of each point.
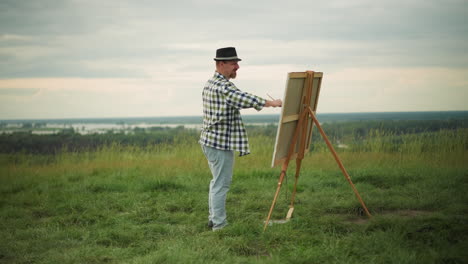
(149, 205)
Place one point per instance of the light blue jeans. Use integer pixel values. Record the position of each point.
(221, 164)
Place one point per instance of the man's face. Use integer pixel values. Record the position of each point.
(230, 68)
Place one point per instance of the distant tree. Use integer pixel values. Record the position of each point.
(27, 125)
(40, 125)
(138, 130)
(69, 130)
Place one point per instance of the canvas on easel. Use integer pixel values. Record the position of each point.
(295, 94)
(295, 130)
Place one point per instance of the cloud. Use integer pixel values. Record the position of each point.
(80, 97)
(18, 92)
(152, 58)
(394, 89)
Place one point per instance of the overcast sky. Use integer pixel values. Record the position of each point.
(87, 58)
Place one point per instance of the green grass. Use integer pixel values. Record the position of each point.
(135, 205)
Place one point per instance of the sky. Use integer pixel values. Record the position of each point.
(90, 59)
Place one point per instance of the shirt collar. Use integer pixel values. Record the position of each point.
(219, 75)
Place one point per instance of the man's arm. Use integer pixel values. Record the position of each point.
(274, 103)
(241, 100)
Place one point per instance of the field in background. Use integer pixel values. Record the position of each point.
(137, 199)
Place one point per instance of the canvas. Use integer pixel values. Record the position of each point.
(295, 96)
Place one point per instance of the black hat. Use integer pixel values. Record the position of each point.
(226, 54)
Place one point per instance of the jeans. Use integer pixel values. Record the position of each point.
(221, 163)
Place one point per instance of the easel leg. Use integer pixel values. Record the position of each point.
(340, 164)
(285, 167)
(293, 196)
(280, 183)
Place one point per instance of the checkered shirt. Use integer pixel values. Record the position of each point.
(222, 123)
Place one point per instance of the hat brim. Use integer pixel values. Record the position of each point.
(227, 59)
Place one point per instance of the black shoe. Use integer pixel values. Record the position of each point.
(210, 224)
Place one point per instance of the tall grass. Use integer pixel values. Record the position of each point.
(443, 141)
(127, 204)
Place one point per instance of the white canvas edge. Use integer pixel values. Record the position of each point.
(280, 122)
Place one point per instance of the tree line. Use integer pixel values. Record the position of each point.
(69, 140)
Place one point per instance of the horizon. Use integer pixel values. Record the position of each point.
(243, 115)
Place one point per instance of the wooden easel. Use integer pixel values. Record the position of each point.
(301, 129)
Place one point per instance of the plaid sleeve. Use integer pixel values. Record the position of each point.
(239, 100)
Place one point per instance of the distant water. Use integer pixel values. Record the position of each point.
(184, 120)
(103, 125)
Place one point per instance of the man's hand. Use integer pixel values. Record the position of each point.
(274, 103)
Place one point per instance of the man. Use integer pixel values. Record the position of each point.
(223, 131)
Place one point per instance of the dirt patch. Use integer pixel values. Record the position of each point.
(400, 213)
(407, 213)
(358, 221)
